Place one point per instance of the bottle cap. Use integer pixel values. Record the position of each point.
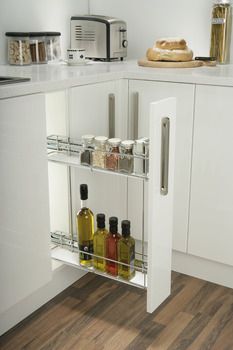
(83, 192)
(88, 138)
(113, 223)
(101, 139)
(100, 218)
(114, 142)
(125, 226)
(128, 144)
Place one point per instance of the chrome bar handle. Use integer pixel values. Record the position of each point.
(165, 134)
(135, 114)
(111, 115)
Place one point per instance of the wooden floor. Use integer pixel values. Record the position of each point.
(96, 313)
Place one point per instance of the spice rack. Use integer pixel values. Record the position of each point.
(63, 241)
(62, 149)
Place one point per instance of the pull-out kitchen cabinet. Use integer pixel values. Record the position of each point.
(24, 211)
(211, 206)
(154, 271)
(141, 94)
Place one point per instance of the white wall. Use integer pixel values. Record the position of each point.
(150, 19)
(33, 15)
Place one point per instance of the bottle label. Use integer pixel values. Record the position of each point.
(87, 247)
(218, 20)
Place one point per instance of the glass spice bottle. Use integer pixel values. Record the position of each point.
(86, 155)
(126, 156)
(99, 153)
(221, 30)
(113, 157)
(111, 246)
(141, 153)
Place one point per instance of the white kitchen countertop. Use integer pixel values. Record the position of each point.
(51, 77)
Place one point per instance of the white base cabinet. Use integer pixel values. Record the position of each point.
(211, 202)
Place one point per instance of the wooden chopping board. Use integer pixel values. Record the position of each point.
(163, 64)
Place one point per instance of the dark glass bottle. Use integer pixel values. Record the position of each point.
(126, 252)
(85, 228)
(100, 243)
(111, 246)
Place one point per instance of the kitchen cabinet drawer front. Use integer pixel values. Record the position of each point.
(211, 207)
(24, 220)
(141, 93)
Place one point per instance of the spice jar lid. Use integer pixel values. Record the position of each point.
(219, 2)
(114, 141)
(101, 139)
(127, 144)
(142, 140)
(88, 137)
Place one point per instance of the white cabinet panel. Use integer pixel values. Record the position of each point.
(24, 220)
(211, 208)
(141, 94)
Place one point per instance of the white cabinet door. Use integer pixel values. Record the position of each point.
(211, 208)
(91, 111)
(24, 220)
(141, 94)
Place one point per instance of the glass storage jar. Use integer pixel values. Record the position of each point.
(53, 46)
(99, 153)
(86, 154)
(113, 157)
(37, 47)
(126, 156)
(221, 30)
(141, 152)
(18, 48)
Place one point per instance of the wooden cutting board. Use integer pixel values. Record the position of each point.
(163, 64)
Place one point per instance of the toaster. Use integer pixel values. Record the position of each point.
(103, 38)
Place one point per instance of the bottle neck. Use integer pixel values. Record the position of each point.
(83, 203)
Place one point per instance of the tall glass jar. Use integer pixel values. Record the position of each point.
(37, 47)
(221, 31)
(126, 156)
(86, 154)
(113, 157)
(99, 153)
(53, 47)
(18, 48)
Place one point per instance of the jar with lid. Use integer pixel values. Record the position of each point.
(221, 24)
(126, 160)
(37, 47)
(141, 153)
(86, 154)
(99, 153)
(113, 157)
(18, 48)
(53, 46)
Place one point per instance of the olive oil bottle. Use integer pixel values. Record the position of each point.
(126, 252)
(111, 246)
(85, 228)
(100, 243)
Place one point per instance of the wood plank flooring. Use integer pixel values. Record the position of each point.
(96, 313)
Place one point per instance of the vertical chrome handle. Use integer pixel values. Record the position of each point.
(135, 115)
(165, 133)
(111, 115)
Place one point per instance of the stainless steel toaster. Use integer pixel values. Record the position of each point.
(103, 38)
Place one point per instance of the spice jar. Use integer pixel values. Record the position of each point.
(221, 31)
(99, 153)
(86, 154)
(53, 47)
(126, 156)
(18, 48)
(113, 157)
(37, 47)
(141, 153)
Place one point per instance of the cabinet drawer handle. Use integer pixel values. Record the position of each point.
(111, 115)
(165, 133)
(135, 115)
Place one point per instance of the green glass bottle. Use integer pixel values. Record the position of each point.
(100, 243)
(85, 229)
(126, 252)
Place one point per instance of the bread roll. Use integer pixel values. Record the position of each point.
(156, 54)
(171, 44)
